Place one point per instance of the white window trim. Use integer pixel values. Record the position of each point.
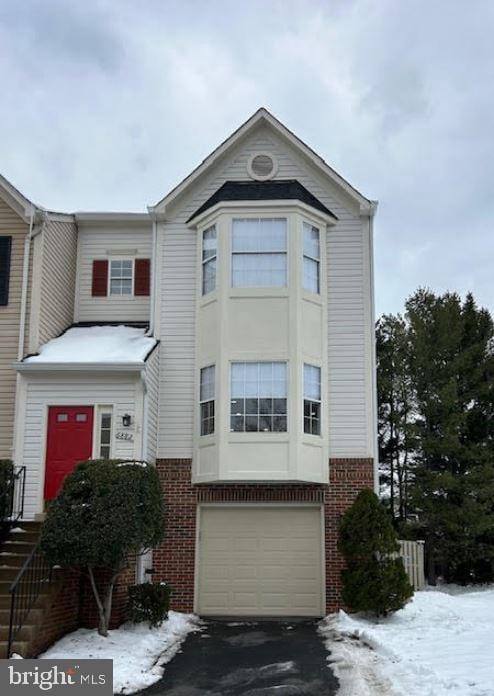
(100, 411)
(210, 258)
(266, 252)
(316, 401)
(312, 258)
(262, 433)
(206, 401)
(121, 258)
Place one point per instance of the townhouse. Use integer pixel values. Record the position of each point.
(227, 337)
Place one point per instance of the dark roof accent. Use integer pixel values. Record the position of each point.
(280, 190)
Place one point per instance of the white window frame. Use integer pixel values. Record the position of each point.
(316, 260)
(204, 261)
(272, 415)
(100, 412)
(263, 252)
(207, 401)
(312, 401)
(132, 280)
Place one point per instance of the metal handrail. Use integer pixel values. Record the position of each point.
(34, 574)
(13, 500)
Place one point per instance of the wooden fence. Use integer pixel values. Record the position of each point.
(412, 553)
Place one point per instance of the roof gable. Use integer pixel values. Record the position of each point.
(262, 116)
(15, 200)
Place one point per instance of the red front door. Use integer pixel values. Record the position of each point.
(69, 441)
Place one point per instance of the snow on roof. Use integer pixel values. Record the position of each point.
(96, 344)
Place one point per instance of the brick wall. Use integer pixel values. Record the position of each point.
(174, 559)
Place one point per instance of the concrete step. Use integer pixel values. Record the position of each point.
(22, 547)
(27, 632)
(8, 573)
(13, 560)
(35, 616)
(24, 535)
(18, 647)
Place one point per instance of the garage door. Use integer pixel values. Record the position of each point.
(260, 561)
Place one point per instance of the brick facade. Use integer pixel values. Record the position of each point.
(174, 559)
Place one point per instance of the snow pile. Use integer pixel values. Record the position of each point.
(96, 344)
(439, 644)
(138, 652)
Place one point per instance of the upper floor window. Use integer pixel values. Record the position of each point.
(208, 260)
(312, 399)
(259, 253)
(206, 398)
(121, 276)
(312, 257)
(5, 250)
(258, 397)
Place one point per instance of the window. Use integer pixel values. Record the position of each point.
(208, 260)
(258, 397)
(311, 258)
(121, 276)
(105, 434)
(5, 251)
(206, 398)
(312, 400)
(259, 253)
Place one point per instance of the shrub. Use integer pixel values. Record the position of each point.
(6, 473)
(105, 511)
(375, 579)
(149, 602)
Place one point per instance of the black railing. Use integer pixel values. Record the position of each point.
(12, 499)
(35, 574)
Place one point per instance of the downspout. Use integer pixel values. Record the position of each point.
(152, 299)
(25, 272)
(373, 345)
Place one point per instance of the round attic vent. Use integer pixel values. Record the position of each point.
(262, 166)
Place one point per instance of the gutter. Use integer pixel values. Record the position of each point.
(33, 367)
(372, 212)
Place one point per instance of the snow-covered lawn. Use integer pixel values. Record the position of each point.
(440, 644)
(139, 654)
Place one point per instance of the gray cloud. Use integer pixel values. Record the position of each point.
(107, 105)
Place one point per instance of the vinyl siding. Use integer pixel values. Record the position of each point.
(103, 243)
(152, 380)
(349, 388)
(57, 279)
(10, 225)
(88, 389)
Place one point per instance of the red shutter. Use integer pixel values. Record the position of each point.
(100, 279)
(142, 276)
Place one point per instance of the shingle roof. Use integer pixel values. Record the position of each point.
(280, 190)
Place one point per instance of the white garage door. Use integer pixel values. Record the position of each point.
(260, 561)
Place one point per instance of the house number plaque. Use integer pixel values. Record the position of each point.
(123, 435)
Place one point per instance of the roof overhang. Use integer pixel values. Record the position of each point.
(36, 367)
(97, 219)
(261, 206)
(14, 198)
(261, 116)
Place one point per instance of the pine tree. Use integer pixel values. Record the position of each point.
(374, 579)
(395, 412)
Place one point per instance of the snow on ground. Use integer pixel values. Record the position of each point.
(139, 653)
(96, 344)
(440, 644)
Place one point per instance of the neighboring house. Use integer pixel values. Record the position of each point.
(244, 369)
(37, 281)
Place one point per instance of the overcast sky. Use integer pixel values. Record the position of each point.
(106, 105)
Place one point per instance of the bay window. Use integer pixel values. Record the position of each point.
(258, 397)
(259, 252)
(312, 256)
(206, 398)
(312, 400)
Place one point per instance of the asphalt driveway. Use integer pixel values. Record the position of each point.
(251, 658)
